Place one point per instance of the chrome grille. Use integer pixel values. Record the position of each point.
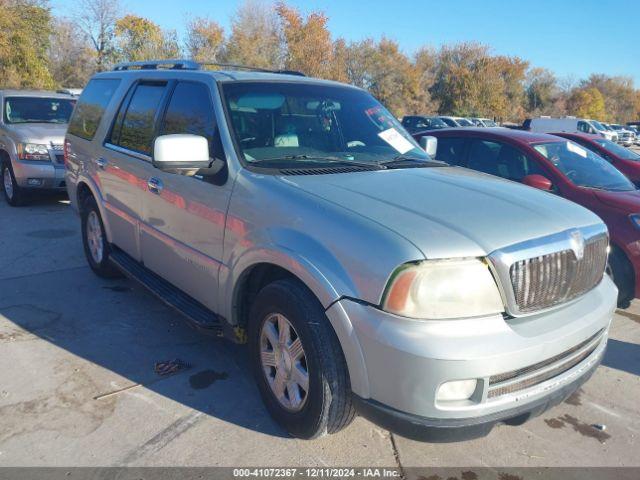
(548, 280)
(521, 379)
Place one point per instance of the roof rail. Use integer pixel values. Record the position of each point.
(155, 64)
(193, 65)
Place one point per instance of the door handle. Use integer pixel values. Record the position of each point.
(101, 162)
(155, 185)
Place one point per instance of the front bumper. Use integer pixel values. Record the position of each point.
(39, 175)
(398, 364)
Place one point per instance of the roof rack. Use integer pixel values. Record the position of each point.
(193, 65)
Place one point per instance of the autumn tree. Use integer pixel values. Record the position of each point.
(618, 93)
(97, 19)
(205, 40)
(255, 37)
(425, 62)
(307, 42)
(587, 102)
(71, 59)
(25, 30)
(541, 90)
(140, 39)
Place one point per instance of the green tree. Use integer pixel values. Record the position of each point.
(587, 102)
(205, 39)
(140, 39)
(541, 89)
(618, 93)
(25, 30)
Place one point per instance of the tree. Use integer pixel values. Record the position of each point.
(205, 40)
(71, 59)
(425, 62)
(587, 102)
(255, 37)
(25, 29)
(140, 39)
(97, 19)
(541, 90)
(308, 44)
(618, 93)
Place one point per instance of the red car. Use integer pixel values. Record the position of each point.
(623, 159)
(552, 163)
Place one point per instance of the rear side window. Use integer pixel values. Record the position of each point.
(451, 150)
(91, 106)
(134, 128)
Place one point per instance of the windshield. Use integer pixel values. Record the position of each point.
(435, 122)
(597, 125)
(286, 124)
(490, 123)
(616, 149)
(463, 122)
(37, 110)
(583, 167)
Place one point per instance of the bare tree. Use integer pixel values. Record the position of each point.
(97, 19)
(71, 59)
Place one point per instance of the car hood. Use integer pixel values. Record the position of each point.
(629, 201)
(38, 132)
(448, 211)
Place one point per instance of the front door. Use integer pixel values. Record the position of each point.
(182, 231)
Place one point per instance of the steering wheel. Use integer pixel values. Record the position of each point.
(570, 174)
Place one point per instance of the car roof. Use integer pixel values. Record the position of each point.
(585, 136)
(221, 76)
(497, 133)
(34, 93)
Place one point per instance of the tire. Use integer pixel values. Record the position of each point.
(621, 271)
(96, 247)
(326, 406)
(13, 194)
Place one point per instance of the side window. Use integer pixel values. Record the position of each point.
(422, 123)
(134, 128)
(501, 160)
(451, 150)
(191, 111)
(91, 106)
(583, 127)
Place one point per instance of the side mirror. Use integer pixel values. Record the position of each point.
(429, 144)
(181, 152)
(538, 181)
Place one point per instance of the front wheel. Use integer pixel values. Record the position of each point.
(13, 194)
(298, 362)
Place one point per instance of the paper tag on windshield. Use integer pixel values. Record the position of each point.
(572, 147)
(394, 138)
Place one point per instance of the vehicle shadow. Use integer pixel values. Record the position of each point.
(118, 326)
(623, 356)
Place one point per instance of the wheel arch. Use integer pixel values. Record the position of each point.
(85, 188)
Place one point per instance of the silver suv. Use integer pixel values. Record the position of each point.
(298, 216)
(32, 129)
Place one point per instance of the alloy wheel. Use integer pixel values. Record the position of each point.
(8, 182)
(284, 362)
(95, 237)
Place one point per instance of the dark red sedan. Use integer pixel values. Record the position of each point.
(560, 166)
(622, 158)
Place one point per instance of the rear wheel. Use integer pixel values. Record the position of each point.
(96, 247)
(13, 194)
(621, 271)
(298, 362)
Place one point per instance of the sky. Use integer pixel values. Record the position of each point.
(573, 38)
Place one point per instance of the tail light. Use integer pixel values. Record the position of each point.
(66, 151)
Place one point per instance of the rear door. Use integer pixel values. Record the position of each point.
(125, 166)
(184, 216)
(452, 150)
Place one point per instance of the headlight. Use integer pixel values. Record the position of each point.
(33, 151)
(635, 219)
(438, 289)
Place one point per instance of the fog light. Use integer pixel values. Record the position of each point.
(34, 182)
(457, 390)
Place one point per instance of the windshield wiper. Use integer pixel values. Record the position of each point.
(405, 161)
(321, 159)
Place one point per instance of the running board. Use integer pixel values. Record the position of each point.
(197, 314)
